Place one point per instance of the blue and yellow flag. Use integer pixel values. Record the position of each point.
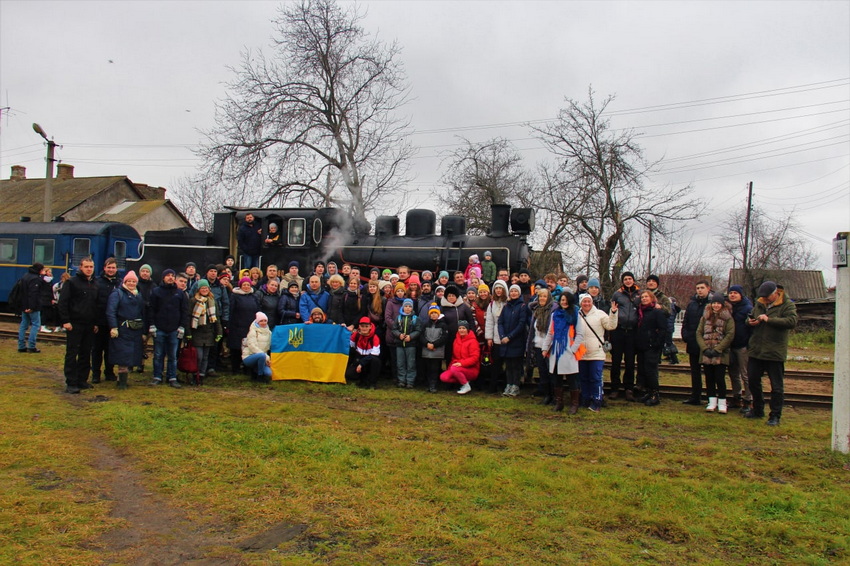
(312, 352)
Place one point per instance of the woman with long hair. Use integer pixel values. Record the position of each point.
(491, 332)
(541, 319)
(651, 331)
(715, 333)
(562, 346)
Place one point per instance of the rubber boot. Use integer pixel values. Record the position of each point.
(122, 380)
(721, 406)
(575, 397)
(712, 405)
(559, 398)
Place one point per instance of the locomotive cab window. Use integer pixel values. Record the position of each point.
(120, 254)
(42, 251)
(8, 250)
(82, 248)
(317, 230)
(296, 232)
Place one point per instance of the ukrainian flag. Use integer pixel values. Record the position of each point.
(312, 352)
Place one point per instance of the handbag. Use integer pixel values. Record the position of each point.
(187, 361)
(606, 345)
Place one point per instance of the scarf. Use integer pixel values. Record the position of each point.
(543, 316)
(642, 309)
(203, 312)
(564, 321)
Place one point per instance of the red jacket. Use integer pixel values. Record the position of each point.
(467, 351)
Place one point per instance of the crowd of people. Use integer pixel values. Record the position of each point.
(483, 326)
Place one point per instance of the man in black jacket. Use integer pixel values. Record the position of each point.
(249, 237)
(78, 314)
(106, 283)
(169, 317)
(693, 313)
(30, 308)
(624, 337)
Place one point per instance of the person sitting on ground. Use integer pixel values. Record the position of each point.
(466, 357)
(255, 355)
(365, 359)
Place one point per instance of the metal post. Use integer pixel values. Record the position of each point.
(841, 382)
(746, 265)
(48, 182)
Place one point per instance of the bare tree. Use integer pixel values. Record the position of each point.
(317, 114)
(482, 174)
(598, 191)
(198, 198)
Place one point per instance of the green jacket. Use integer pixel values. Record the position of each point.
(769, 340)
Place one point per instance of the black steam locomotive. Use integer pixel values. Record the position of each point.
(328, 234)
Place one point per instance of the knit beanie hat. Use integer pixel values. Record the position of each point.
(387, 272)
(581, 279)
(146, 266)
(584, 296)
(738, 289)
(487, 254)
(653, 278)
(399, 286)
(483, 287)
(626, 274)
(130, 276)
(443, 274)
(463, 323)
(593, 283)
(203, 283)
(413, 279)
(245, 280)
(260, 316)
(434, 308)
(168, 272)
(407, 302)
(473, 258)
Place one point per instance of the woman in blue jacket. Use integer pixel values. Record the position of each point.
(125, 314)
(513, 329)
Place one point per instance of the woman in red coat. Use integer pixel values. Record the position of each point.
(466, 353)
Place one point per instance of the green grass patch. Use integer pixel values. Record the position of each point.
(819, 338)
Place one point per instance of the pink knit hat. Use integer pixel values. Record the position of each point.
(130, 276)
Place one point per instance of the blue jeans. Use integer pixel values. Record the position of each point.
(590, 375)
(31, 320)
(405, 358)
(257, 362)
(249, 261)
(165, 344)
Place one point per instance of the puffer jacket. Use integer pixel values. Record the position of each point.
(513, 324)
(769, 340)
(258, 340)
(716, 333)
(434, 332)
(628, 302)
(78, 300)
(690, 322)
(268, 302)
(599, 321)
(740, 314)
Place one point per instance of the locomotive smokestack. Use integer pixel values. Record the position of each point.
(501, 214)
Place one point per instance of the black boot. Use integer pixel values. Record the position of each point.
(548, 396)
(122, 380)
(575, 397)
(559, 398)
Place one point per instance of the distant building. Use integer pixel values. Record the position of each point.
(89, 199)
(681, 286)
(799, 285)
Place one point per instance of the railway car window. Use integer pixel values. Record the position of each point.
(317, 230)
(82, 248)
(8, 250)
(42, 251)
(296, 232)
(120, 254)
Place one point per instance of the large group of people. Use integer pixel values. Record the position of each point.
(482, 325)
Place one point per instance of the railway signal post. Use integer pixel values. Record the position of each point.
(841, 385)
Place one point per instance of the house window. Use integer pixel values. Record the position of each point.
(121, 254)
(317, 230)
(296, 232)
(8, 250)
(82, 249)
(42, 251)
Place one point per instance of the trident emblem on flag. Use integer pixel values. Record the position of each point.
(296, 337)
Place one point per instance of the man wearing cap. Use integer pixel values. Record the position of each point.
(30, 308)
(191, 271)
(292, 275)
(773, 318)
(78, 314)
(738, 354)
(693, 313)
(106, 283)
(624, 337)
(319, 269)
(595, 291)
(249, 238)
(582, 282)
(364, 364)
(167, 321)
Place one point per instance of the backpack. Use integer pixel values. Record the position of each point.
(16, 297)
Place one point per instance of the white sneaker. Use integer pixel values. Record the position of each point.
(465, 388)
(712, 404)
(721, 406)
(507, 391)
(58, 329)
(45, 329)
(514, 391)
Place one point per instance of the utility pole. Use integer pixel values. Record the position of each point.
(841, 380)
(48, 177)
(649, 260)
(745, 265)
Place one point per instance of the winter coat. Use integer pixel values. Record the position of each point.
(513, 324)
(222, 300)
(287, 308)
(454, 312)
(467, 352)
(716, 333)
(488, 271)
(105, 287)
(310, 300)
(662, 300)
(78, 301)
(479, 313)
(599, 321)
(740, 314)
(249, 238)
(204, 335)
(169, 308)
(32, 284)
(652, 330)
(268, 302)
(335, 305)
(257, 341)
(368, 346)
(406, 324)
(46, 290)
(693, 312)
(123, 306)
(243, 311)
(537, 337)
(769, 340)
(628, 302)
(354, 307)
(391, 310)
(600, 303)
(562, 349)
(145, 287)
(437, 333)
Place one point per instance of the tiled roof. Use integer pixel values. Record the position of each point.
(798, 284)
(131, 213)
(26, 197)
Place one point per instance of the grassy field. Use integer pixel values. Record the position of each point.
(300, 473)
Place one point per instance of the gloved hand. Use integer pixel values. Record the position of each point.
(113, 333)
(711, 353)
(152, 331)
(180, 332)
(218, 338)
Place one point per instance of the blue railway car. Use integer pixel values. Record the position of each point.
(60, 246)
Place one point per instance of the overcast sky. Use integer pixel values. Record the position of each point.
(125, 87)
